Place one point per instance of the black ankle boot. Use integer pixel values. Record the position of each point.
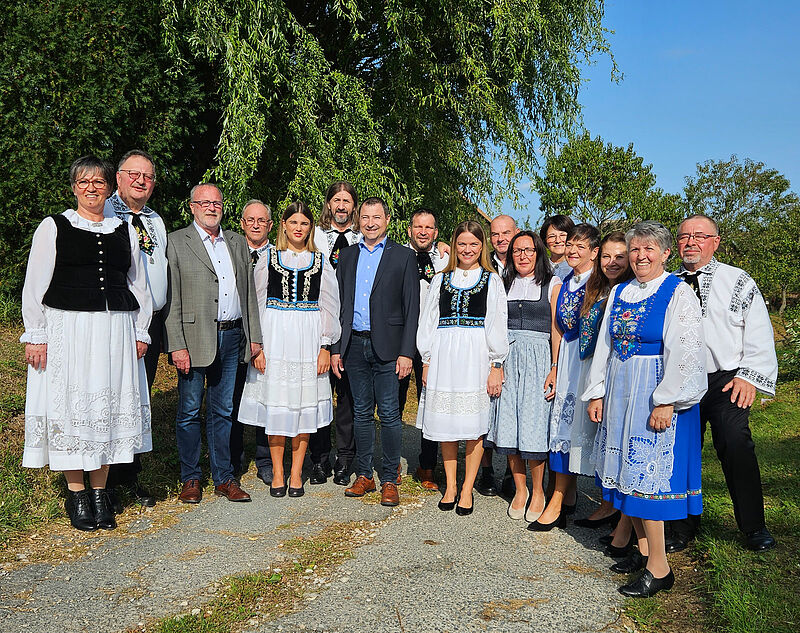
(79, 510)
(103, 512)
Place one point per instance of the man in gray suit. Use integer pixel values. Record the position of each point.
(211, 324)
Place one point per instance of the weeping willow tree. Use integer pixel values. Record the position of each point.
(419, 102)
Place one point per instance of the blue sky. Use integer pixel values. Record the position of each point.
(702, 80)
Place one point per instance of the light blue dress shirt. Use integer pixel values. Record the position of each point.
(368, 262)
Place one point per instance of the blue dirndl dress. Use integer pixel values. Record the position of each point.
(644, 473)
(572, 434)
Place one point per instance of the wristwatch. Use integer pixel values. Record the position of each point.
(497, 365)
(327, 348)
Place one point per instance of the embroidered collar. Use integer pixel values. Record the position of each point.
(708, 269)
(260, 249)
(121, 208)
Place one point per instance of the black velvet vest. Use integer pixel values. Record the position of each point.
(289, 289)
(535, 316)
(463, 307)
(91, 270)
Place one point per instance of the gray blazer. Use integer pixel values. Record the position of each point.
(191, 311)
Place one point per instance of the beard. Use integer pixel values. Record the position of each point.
(691, 259)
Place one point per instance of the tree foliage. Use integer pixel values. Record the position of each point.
(758, 217)
(605, 185)
(88, 76)
(413, 101)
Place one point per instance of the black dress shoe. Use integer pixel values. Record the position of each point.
(760, 540)
(79, 510)
(605, 540)
(138, 494)
(612, 551)
(634, 562)
(486, 484)
(280, 491)
(446, 506)
(675, 543)
(297, 492)
(265, 475)
(318, 475)
(593, 524)
(103, 512)
(646, 585)
(462, 511)
(341, 474)
(560, 522)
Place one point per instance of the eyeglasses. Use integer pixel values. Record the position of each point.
(252, 221)
(97, 183)
(217, 204)
(699, 238)
(135, 175)
(528, 252)
(555, 237)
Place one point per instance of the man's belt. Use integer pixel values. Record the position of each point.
(229, 325)
(361, 333)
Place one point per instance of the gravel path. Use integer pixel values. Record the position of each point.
(423, 571)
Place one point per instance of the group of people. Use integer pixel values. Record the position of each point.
(563, 350)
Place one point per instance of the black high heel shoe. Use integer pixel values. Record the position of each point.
(612, 520)
(462, 511)
(446, 506)
(280, 491)
(613, 551)
(560, 522)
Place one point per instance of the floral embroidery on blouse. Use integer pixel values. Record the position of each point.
(588, 329)
(569, 307)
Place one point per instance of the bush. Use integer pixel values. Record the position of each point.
(789, 351)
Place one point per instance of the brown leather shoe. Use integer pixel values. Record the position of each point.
(389, 495)
(232, 491)
(425, 478)
(191, 492)
(399, 474)
(362, 486)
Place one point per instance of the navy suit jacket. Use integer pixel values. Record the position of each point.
(393, 303)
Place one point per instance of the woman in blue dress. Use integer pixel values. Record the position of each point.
(611, 268)
(519, 427)
(646, 379)
(571, 431)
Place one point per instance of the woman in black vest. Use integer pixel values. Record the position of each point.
(520, 426)
(463, 341)
(86, 308)
(288, 390)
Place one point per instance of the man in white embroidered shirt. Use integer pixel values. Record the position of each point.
(740, 360)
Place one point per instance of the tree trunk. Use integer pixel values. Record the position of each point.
(783, 301)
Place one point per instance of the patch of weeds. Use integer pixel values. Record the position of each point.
(254, 598)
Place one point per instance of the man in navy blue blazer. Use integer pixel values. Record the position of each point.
(379, 292)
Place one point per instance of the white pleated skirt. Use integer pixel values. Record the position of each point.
(90, 406)
(455, 404)
(289, 398)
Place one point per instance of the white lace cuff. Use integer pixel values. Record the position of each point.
(34, 337)
(142, 336)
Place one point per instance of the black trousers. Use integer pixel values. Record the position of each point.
(319, 444)
(428, 449)
(128, 473)
(730, 432)
(263, 458)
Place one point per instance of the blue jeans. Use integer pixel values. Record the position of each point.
(218, 380)
(374, 382)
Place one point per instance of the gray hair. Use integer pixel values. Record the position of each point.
(653, 231)
(257, 201)
(91, 164)
(136, 152)
(701, 216)
(203, 184)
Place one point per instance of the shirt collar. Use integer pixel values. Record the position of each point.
(380, 244)
(709, 268)
(205, 236)
(121, 207)
(258, 250)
